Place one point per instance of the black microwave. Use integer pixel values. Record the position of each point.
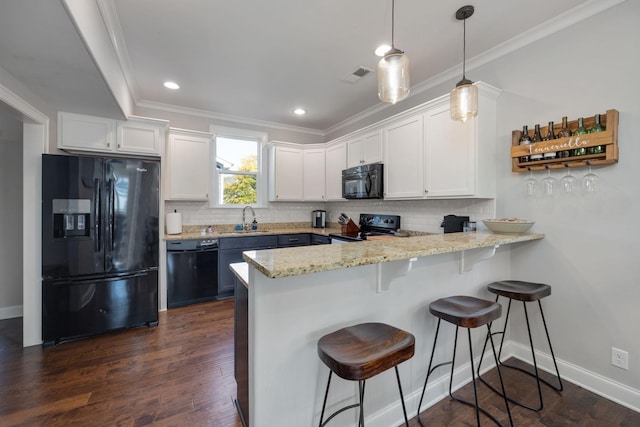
(363, 182)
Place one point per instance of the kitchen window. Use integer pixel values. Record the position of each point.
(237, 165)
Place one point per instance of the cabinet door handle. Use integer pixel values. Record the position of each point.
(108, 144)
(294, 240)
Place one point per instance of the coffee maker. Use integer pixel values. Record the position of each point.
(318, 219)
(453, 223)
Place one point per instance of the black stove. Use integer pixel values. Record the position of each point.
(378, 225)
(372, 225)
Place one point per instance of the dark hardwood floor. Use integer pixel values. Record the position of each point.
(181, 374)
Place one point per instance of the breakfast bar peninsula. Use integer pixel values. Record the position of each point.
(291, 297)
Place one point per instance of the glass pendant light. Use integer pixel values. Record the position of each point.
(393, 71)
(464, 98)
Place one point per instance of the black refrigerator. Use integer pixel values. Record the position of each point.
(99, 245)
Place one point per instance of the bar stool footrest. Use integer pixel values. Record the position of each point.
(466, 402)
(338, 412)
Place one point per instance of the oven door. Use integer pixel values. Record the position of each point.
(338, 238)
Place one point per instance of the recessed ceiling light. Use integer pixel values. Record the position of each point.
(382, 49)
(300, 111)
(171, 85)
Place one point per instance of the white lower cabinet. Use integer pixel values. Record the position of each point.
(188, 165)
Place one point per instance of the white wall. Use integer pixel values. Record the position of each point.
(590, 253)
(10, 216)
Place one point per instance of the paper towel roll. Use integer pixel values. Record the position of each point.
(174, 223)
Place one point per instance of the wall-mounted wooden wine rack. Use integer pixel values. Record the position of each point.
(607, 138)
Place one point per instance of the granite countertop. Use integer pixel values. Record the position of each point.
(241, 271)
(285, 262)
(194, 232)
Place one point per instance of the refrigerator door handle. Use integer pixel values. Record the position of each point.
(111, 208)
(97, 216)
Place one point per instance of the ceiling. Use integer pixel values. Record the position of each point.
(253, 59)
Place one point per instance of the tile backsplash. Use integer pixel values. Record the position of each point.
(416, 215)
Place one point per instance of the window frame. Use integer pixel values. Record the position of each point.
(261, 175)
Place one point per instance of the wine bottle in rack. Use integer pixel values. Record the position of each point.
(580, 131)
(597, 127)
(564, 132)
(524, 140)
(537, 137)
(550, 136)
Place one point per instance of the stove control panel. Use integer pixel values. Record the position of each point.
(379, 222)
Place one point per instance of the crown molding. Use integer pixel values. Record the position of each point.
(554, 25)
(226, 117)
(533, 34)
(112, 25)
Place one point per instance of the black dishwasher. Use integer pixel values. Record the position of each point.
(192, 271)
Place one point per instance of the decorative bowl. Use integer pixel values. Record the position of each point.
(508, 225)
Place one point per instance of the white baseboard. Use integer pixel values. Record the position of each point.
(438, 387)
(10, 312)
(595, 383)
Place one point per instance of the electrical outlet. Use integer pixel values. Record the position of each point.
(619, 358)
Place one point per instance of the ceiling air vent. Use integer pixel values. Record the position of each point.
(359, 73)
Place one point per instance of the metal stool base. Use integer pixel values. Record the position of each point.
(474, 404)
(361, 385)
(536, 373)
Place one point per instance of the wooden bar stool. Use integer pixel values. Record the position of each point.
(525, 292)
(466, 312)
(359, 352)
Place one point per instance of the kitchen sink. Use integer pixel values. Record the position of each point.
(241, 232)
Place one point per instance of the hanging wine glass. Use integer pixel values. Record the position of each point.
(530, 184)
(568, 182)
(590, 181)
(549, 183)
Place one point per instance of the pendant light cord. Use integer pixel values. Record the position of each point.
(464, 47)
(393, 20)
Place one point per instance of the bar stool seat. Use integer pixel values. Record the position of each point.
(466, 312)
(359, 352)
(526, 292)
(519, 290)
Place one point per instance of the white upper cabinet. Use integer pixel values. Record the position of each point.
(403, 158)
(313, 159)
(188, 165)
(460, 157)
(137, 136)
(364, 149)
(85, 133)
(286, 172)
(449, 154)
(425, 155)
(335, 163)
(428, 155)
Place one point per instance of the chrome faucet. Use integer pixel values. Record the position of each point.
(245, 225)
